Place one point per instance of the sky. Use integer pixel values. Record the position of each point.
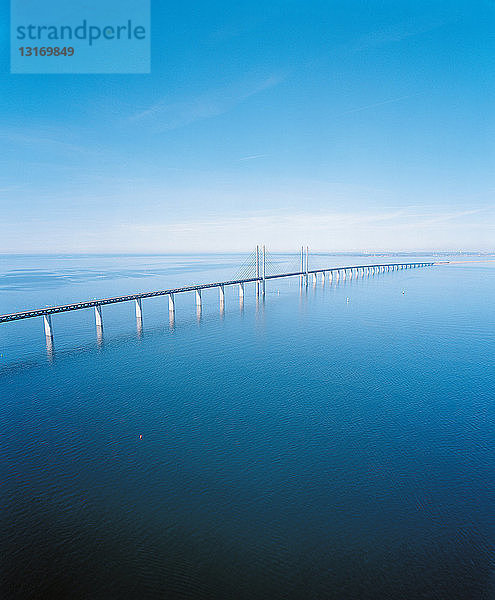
(345, 125)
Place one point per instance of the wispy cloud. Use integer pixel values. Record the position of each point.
(374, 104)
(38, 140)
(409, 228)
(253, 157)
(394, 229)
(165, 116)
(397, 32)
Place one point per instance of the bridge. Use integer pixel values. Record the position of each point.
(257, 262)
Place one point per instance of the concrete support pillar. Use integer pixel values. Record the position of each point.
(315, 278)
(139, 310)
(323, 278)
(47, 320)
(241, 296)
(221, 291)
(139, 317)
(171, 303)
(343, 274)
(48, 336)
(98, 317)
(198, 298)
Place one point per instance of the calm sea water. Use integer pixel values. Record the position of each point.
(332, 443)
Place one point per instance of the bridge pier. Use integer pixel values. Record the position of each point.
(47, 321)
(171, 303)
(221, 291)
(241, 296)
(139, 309)
(139, 316)
(323, 278)
(198, 298)
(98, 318)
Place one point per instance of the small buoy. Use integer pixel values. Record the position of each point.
(347, 300)
(141, 436)
(403, 292)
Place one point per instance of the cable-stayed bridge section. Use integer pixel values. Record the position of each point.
(258, 268)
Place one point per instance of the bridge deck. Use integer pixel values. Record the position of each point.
(50, 310)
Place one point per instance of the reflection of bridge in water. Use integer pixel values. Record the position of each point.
(255, 270)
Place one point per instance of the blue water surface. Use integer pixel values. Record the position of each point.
(334, 441)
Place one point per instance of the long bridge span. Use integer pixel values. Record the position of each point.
(260, 279)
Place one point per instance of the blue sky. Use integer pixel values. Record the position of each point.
(346, 125)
